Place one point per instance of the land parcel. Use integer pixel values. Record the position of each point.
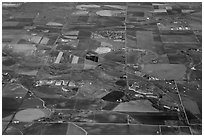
(165, 71)
(190, 39)
(26, 49)
(145, 40)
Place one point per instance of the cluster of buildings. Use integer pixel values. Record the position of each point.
(112, 34)
(11, 4)
(69, 83)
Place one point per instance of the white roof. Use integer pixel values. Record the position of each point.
(72, 33)
(159, 10)
(105, 13)
(75, 59)
(58, 83)
(44, 40)
(82, 7)
(102, 50)
(54, 24)
(116, 6)
(72, 84)
(70, 37)
(65, 82)
(80, 12)
(59, 57)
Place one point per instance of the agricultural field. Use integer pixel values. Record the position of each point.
(101, 68)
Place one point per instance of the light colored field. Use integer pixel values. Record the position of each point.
(112, 44)
(27, 49)
(165, 71)
(28, 115)
(136, 106)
